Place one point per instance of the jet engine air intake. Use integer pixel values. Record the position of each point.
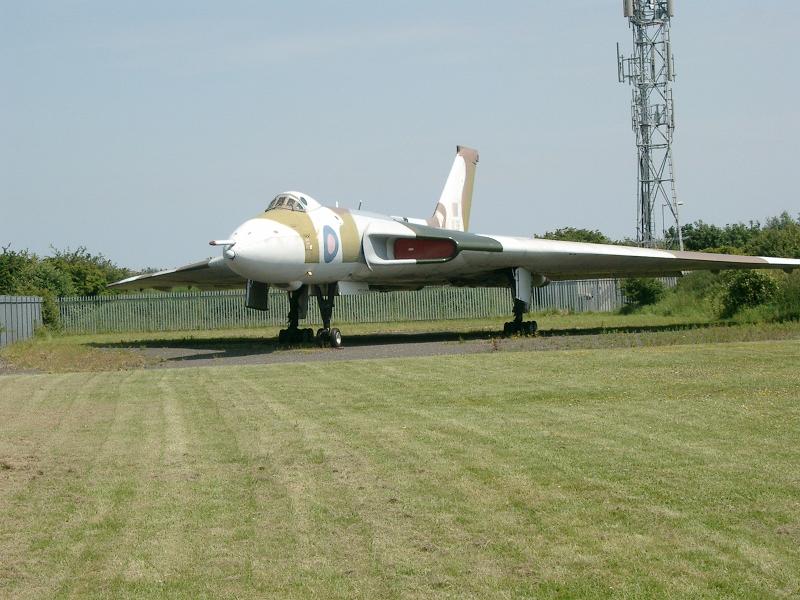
(424, 248)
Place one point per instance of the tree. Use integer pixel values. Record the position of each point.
(738, 235)
(90, 273)
(14, 269)
(45, 276)
(703, 236)
(779, 237)
(574, 234)
(65, 273)
(700, 235)
(24, 274)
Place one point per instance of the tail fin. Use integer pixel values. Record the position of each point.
(452, 211)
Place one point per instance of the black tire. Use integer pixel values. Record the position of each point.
(282, 336)
(307, 335)
(506, 329)
(335, 338)
(322, 337)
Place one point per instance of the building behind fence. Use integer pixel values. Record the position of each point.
(225, 309)
(19, 317)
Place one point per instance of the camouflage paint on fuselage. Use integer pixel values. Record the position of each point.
(301, 222)
(349, 235)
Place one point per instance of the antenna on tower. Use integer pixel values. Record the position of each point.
(650, 71)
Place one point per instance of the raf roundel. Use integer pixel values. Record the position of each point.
(330, 243)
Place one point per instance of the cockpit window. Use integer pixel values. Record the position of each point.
(288, 203)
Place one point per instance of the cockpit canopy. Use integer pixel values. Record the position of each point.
(293, 201)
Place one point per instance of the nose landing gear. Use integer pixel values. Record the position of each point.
(327, 335)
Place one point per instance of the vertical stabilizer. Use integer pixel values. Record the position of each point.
(453, 208)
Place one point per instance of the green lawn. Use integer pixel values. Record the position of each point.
(112, 351)
(668, 471)
(68, 353)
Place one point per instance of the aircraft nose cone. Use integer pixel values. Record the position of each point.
(243, 252)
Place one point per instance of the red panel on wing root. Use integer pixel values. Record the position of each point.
(424, 248)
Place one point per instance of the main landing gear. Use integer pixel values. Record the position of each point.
(298, 309)
(520, 280)
(518, 326)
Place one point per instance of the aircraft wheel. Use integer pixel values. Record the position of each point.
(507, 328)
(323, 337)
(336, 338)
(282, 336)
(307, 335)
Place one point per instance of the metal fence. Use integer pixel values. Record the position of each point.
(19, 317)
(225, 309)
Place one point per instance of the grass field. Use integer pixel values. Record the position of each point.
(112, 351)
(67, 353)
(668, 471)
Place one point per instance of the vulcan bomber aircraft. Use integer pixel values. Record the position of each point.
(299, 246)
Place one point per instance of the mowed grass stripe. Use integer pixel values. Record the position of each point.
(668, 471)
(69, 459)
(310, 463)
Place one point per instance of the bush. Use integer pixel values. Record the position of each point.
(745, 289)
(699, 284)
(89, 273)
(696, 296)
(44, 278)
(642, 291)
(787, 300)
(66, 273)
(14, 270)
(51, 315)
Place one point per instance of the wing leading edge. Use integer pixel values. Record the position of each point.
(210, 274)
(559, 260)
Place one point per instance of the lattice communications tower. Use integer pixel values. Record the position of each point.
(650, 71)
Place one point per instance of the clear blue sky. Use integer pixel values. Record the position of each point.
(143, 129)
